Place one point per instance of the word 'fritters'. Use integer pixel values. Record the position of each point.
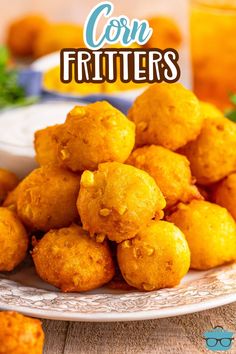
(137, 65)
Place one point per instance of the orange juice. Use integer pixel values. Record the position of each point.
(213, 48)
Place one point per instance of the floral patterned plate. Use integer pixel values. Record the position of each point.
(23, 291)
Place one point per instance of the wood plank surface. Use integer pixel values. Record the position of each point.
(168, 335)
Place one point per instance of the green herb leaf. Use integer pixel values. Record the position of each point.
(11, 93)
(4, 56)
(232, 98)
(231, 115)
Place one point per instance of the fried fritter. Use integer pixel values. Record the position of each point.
(210, 232)
(94, 134)
(20, 334)
(157, 257)
(166, 33)
(13, 240)
(170, 170)
(11, 200)
(46, 145)
(58, 36)
(166, 114)
(210, 111)
(23, 32)
(118, 200)
(8, 181)
(212, 155)
(224, 194)
(72, 261)
(47, 198)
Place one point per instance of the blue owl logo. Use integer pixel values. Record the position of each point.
(218, 339)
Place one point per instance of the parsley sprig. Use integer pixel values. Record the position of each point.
(11, 93)
(231, 114)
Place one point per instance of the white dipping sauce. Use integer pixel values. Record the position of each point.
(17, 127)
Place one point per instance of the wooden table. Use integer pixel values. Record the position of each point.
(168, 335)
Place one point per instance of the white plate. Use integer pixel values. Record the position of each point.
(23, 291)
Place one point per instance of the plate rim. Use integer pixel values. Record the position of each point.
(214, 288)
(124, 317)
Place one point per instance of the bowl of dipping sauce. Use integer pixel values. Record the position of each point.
(17, 128)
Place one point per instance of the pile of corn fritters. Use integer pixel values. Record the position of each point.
(151, 194)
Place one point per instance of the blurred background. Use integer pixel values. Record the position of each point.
(76, 11)
(203, 31)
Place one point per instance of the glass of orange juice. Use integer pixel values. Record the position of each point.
(213, 50)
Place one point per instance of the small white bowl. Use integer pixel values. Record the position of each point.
(17, 127)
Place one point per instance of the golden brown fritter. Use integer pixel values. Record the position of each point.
(72, 261)
(209, 111)
(224, 194)
(170, 170)
(46, 145)
(58, 36)
(118, 200)
(210, 232)
(20, 334)
(166, 114)
(47, 198)
(93, 134)
(212, 155)
(11, 200)
(13, 240)
(8, 181)
(166, 33)
(157, 257)
(23, 32)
